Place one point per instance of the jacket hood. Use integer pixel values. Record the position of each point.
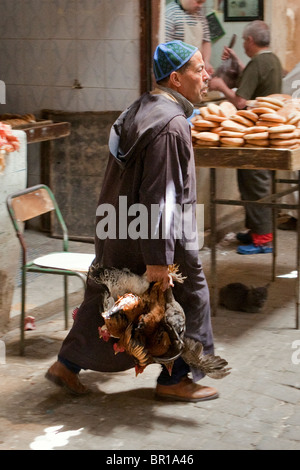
(139, 124)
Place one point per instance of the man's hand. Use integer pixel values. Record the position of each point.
(159, 273)
(218, 84)
(227, 52)
(231, 54)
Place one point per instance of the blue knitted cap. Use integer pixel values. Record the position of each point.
(171, 56)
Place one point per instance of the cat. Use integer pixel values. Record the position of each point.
(239, 297)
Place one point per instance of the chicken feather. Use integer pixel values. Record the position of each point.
(156, 306)
(213, 366)
(118, 281)
(116, 324)
(159, 342)
(134, 348)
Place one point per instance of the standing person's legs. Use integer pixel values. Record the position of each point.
(254, 185)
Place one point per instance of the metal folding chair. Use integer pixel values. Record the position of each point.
(25, 205)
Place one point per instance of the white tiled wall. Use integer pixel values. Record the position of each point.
(46, 44)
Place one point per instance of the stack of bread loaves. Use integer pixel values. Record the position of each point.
(15, 120)
(272, 121)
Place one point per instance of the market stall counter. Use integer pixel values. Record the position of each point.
(249, 158)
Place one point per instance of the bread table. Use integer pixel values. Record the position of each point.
(249, 158)
(36, 130)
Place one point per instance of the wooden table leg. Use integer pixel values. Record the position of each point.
(214, 286)
(274, 222)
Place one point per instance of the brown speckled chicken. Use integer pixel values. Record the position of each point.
(125, 311)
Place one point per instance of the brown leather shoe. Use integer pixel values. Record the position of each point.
(186, 390)
(60, 375)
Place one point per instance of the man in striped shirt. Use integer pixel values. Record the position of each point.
(185, 21)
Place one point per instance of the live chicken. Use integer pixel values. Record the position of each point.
(150, 324)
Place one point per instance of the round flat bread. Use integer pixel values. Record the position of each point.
(262, 110)
(199, 123)
(214, 109)
(227, 109)
(256, 129)
(207, 136)
(247, 114)
(242, 120)
(225, 133)
(256, 136)
(258, 142)
(232, 146)
(272, 117)
(294, 120)
(293, 114)
(267, 105)
(217, 130)
(195, 119)
(204, 112)
(290, 108)
(233, 126)
(215, 118)
(260, 122)
(203, 129)
(282, 128)
(284, 135)
(284, 143)
(250, 103)
(271, 100)
(232, 141)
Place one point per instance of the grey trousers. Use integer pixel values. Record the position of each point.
(254, 185)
